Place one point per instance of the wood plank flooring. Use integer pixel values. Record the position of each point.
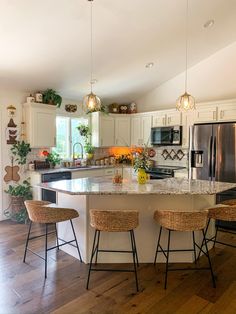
(23, 289)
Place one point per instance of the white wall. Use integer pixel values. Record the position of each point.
(16, 98)
(212, 79)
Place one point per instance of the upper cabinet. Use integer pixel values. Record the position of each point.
(122, 131)
(141, 129)
(103, 129)
(205, 113)
(40, 125)
(227, 112)
(166, 118)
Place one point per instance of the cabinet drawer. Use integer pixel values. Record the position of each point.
(109, 172)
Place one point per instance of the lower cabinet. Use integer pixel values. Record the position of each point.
(87, 173)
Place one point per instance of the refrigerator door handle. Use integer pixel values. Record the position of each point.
(214, 159)
(210, 158)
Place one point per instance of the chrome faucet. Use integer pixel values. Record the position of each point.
(73, 151)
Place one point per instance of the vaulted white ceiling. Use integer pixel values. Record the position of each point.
(46, 43)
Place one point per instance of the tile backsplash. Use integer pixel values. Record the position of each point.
(174, 161)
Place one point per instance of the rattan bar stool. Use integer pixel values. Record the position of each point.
(114, 221)
(181, 221)
(47, 213)
(221, 212)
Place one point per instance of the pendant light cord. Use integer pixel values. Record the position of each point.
(186, 46)
(91, 45)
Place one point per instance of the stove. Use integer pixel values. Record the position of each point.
(162, 172)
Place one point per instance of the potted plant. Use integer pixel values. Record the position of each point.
(52, 158)
(19, 193)
(141, 164)
(85, 132)
(21, 150)
(51, 97)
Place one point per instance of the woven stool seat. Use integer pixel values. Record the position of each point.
(226, 213)
(181, 220)
(46, 212)
(114, 220)
(229, 202)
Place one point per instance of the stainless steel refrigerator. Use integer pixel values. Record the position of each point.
(213, 154)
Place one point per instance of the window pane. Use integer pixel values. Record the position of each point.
(76, 137)
(63, 137)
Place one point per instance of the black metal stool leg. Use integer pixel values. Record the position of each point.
(97, 247)
(158, 242)
(167, 258)
(134, 261)
(77, 245)
(91, 258)
(27, 241)
(209, 260)
(205, 232)
(57, 237)
(194, 249)
(215, 236)
(46, 250)
(135, 248)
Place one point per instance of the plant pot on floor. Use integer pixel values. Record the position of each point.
(18, 210)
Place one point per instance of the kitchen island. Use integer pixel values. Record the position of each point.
(100, 193)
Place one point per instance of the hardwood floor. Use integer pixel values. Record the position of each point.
(24, 290)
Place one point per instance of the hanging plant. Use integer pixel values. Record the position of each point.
(21, 150)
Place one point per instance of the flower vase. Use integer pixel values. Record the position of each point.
(142, 176)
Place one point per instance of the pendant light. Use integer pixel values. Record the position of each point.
(186, 102)
(91, 101)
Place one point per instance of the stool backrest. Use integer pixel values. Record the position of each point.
(114, 220)
(181, 220)
(226, 213)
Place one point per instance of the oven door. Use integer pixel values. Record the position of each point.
(162, 136)
(159, 176)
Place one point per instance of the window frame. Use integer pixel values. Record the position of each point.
(70, 118)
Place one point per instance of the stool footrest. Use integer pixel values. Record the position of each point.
(111, 269)
(114, 251)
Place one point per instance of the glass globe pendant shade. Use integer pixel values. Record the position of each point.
(92, 102)
(185, 102)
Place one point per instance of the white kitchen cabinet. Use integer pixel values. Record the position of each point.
(40, 121)
(103, 129)
(159, 119)
(187, 121)
(173, 117)
(87, 173)
(122, 131)
(205, 113)
(227, 112)
(141, 129)
(166, 118)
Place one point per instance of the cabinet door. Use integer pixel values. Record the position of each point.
(187, 121)
(87, 173)
(159, 119)
(146, 129)
(227, 112)
(122, 131)
(205, 114)
(173, 118)
(43, 133)
(136, 135)
(107, 131)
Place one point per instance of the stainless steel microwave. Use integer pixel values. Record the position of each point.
(169, 135)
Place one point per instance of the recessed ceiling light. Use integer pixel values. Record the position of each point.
(149, 65)
(209, 23)
(93, 81)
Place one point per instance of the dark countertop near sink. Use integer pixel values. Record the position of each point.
(63, 169)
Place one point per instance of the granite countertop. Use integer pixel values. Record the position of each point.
(170, 186)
